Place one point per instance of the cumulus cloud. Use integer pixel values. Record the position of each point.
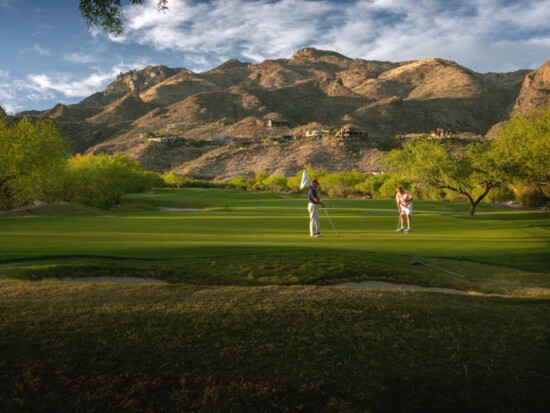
(470, 32)
(6, 92)
(39, 88)
(483, 35)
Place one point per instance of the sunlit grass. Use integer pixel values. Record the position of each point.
(249, 238)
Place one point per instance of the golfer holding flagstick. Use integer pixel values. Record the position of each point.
(404, 205)
(313, 208)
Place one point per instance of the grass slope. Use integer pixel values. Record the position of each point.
(103, 348)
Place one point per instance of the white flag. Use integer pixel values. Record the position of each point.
(305, 180)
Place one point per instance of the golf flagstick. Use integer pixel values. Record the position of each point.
(330, 220)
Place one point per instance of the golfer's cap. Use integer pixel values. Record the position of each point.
(315, 181)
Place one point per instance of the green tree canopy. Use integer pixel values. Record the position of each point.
(32, 156)
(522, 147)
(466, 170)
(108, 15)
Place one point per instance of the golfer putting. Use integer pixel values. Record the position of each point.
(313, 208)
(404, 205)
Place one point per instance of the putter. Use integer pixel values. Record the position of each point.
(330, 220)
(398, 223)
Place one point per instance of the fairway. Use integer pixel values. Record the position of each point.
(259, 238)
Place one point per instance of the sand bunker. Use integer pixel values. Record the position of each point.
(394, 286)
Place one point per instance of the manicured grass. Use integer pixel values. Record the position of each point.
(256, 238)
(103, 348)
(248, 332)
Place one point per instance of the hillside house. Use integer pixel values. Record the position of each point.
(173, 139)
(348, 132)
(316, 134)
(277, 123)
(444, 133)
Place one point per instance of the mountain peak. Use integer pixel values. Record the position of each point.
(311, 53)
(137, 80)
(231, 64)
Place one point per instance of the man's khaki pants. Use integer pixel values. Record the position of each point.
(314, 223)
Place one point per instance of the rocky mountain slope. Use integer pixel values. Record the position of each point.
(334, 154)
(314, 89)
(534, 94)
(535, 91)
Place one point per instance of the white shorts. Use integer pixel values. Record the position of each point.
(407, 210)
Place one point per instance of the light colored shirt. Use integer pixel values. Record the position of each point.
(404, 198)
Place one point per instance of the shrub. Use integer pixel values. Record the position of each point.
(100, 180)
(241, 182)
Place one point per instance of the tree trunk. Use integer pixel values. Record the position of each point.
(474, 204)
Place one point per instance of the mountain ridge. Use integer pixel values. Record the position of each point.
(313, 87)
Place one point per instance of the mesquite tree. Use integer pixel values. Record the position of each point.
(468, 170)
(32, 157)
(522, 148)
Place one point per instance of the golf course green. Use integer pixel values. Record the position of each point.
(252, 317)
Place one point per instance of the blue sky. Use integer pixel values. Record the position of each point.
(48, 55)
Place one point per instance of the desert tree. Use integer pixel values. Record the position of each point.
(108, 14)
(522, 149)
(32, 158)
(468, 170)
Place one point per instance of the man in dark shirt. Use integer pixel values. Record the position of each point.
(313, 208)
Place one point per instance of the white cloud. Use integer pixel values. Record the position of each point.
(39, 90)
(68, 85)
(484, 35)
(6, 92)
(469, 32)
